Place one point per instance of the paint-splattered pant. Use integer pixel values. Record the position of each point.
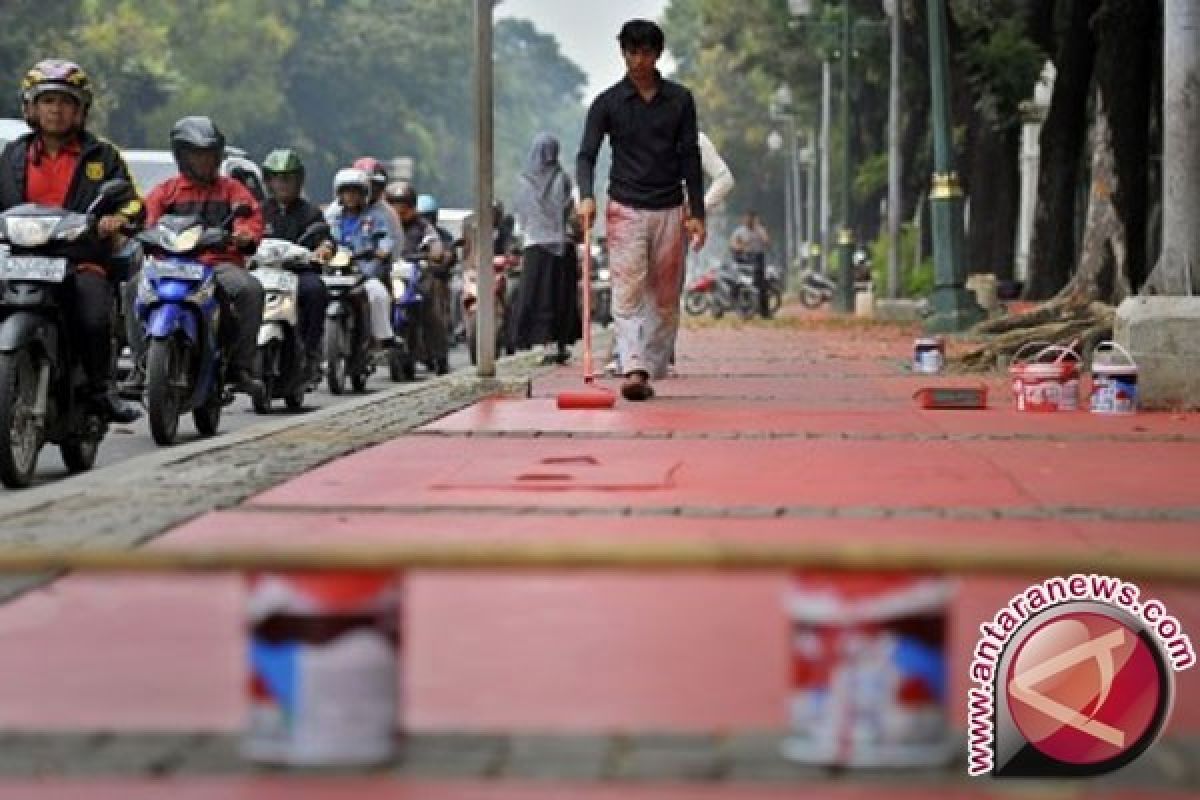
(646, 256)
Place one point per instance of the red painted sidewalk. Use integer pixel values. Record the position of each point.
(800, 435)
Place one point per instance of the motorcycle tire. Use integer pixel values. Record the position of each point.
(266, 356)
(695, 303)
(395, 367)
(79, 453)
(207, 417)
(774, 300)
(811, 298)
(747, 303)
(472, 341)
(358, 382)
(18, 389)
(162, 401)
(335, 357)
(295, 400)
(409, 369)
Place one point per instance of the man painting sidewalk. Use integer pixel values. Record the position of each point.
(651, 125)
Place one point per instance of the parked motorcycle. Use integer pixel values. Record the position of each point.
(504, 342)
(179, 312)
(280, 354)
(697, 298)
(774, 279)
(347, 322)
(42, 383)
(816, 288)
(734, 290)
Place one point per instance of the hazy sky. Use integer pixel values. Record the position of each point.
(587, 31)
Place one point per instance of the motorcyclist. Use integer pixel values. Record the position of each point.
(200, 190)
(749, 245)
(379, 181)
(420, 236)
(288, 215)
(63, 165)
(427, 207)
(366, 228)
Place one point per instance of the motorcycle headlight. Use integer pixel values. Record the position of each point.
(602, 275)
(182, 242)
(30, 231)
(398, 288)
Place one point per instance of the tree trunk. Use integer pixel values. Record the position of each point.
(1104, 256)
(1064, 135)
(993, 186)
(1125, 32)
(1180, 269)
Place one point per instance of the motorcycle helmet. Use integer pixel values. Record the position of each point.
(195, 134)
(283, 161)
(401, 192)
(377, 172)
(427, 207)
(245, 172)
(55, 75)
(351, 178)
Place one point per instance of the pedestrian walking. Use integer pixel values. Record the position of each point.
(547, 308)
(651, 125)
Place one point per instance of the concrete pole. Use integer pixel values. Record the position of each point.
(810, 230)
(485, 319)
(826, 177)
(802, 200)
(894, 164)
(1180, 271)
(845, 295)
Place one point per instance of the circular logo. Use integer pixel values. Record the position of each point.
(1086, 689)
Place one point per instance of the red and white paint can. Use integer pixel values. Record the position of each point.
(868, 671)
(323, 668)
(1043, 385)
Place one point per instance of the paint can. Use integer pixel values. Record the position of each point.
(868, 671)
(1114, 380)
(929, 355)
(323, 673)
(1043, 385)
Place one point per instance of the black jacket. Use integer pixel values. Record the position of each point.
(99, 161)
(291, 222)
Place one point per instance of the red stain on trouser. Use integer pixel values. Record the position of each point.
(646, 256)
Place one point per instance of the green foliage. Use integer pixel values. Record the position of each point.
(1001, 61)
(916, 280)
(335, 79)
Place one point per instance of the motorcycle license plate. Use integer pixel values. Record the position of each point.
(276, 280)
(33, 268)
(340, 281)
(179, 270)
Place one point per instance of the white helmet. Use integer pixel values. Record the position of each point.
(351, 178)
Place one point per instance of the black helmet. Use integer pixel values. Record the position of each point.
(195, 133)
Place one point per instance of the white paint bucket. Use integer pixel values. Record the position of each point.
(1114, 380)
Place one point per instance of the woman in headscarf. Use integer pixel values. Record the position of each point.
(547, 308)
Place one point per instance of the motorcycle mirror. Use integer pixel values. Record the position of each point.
(111, 193)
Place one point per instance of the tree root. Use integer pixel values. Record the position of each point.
(1058, 322)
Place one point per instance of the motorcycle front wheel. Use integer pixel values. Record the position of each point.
(747, 303)
(268, 368)
(335, 356)
(20, 434)
(79, 453)
(811, 298)
(162, 399)
(695, 303)
(774, 300)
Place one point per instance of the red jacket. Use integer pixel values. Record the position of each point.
(212, 203)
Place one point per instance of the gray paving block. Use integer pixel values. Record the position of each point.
(452, 755)
(654, 756)
(559, 757)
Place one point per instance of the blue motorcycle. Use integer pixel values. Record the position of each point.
(406, 316)
(178, 308)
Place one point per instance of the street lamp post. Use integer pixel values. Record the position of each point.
(845, 302)
(775, 144)
(954, 308)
